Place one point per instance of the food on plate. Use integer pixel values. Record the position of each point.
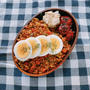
(53, 34)
(36, 46)
(65, 27)
(51, 18)
(70, 35)
(56, 44)
(44, 45)
(66, 19)
(22, 50)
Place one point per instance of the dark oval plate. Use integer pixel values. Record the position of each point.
(73, 42)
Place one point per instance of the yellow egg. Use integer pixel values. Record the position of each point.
(22, 50)
(56, 44)
(44, 45)
(36, 46)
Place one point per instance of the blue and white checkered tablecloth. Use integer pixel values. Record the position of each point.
(74, 74)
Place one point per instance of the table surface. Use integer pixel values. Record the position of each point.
(74, 74)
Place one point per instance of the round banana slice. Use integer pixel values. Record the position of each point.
(36, 46)
(22, 50)
(44, 45)
(56, 44)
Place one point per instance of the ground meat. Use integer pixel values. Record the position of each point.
(45, 63)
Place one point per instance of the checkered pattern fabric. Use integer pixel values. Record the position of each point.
(74, 74)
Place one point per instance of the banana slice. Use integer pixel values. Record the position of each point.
(36, 46)
(56, 44)
(22, 50)
(44, 45)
